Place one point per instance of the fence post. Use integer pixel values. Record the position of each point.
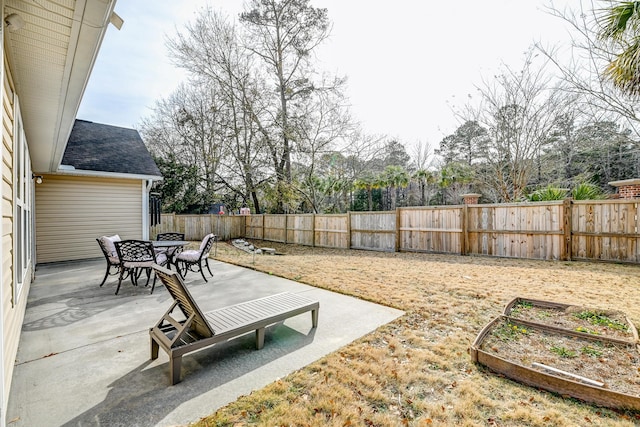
(313, 230)
(244, 227)
(348, 229)
(214, 225)
(567, 248)
(396, 249)
(180, 225)
(464, 240)
(286, 228)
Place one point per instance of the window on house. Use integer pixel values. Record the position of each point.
(23, 188)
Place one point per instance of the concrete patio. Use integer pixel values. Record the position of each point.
(84, 360)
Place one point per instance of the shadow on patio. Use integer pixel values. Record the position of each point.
(84, 355)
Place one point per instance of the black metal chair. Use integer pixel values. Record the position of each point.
(137, 256)
(170, 236)
(192, 260)
(170, 252)
(108, 248)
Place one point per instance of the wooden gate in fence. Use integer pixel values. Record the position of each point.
(603, 230)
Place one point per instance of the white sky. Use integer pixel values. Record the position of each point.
(406, 60)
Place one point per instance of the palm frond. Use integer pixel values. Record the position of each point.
(624, 70)
(619, 19)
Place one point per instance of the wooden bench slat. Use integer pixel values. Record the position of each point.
(201, 330)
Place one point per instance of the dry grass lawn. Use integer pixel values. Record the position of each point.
(416, 371)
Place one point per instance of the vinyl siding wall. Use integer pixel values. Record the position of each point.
(72, 211)
(12, 311)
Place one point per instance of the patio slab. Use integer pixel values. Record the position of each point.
(84, 353)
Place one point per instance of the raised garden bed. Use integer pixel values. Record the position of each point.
(546, 345)
(612, 324)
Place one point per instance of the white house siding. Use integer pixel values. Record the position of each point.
(72, 211)
(12, 310)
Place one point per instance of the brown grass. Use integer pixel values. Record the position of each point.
(416, 370)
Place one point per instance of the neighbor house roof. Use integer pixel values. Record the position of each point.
(104, 148)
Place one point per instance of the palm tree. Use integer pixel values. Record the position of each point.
(396, 177)
(620, 25)
(454, 176)
(368, 183)
(424, 178)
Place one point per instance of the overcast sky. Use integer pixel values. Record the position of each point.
(406, 61)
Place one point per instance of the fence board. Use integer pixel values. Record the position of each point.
(254, 225)
(605, 230)
(275, 228)
(374, 231)
(331, 231)
(431, 229)
(300, 229)
(516, 231)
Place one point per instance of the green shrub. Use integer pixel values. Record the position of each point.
(586, 191)
(548, 193)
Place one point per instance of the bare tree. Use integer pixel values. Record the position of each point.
(283, 34)
(422, 154)
(188, 126)
(211, 48)
(321, 126)
(519, 108)
(299, 121)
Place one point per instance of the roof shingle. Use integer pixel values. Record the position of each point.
(105, 148)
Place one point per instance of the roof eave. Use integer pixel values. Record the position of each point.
(100, 174)
(87, 40)
(48, 118)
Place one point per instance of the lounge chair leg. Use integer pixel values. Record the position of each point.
(154, 349)
(314, 318)
(175, 363)
(259, 338)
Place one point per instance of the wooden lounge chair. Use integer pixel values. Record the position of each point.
(199, 330)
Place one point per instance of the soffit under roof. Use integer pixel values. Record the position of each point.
(51, 59)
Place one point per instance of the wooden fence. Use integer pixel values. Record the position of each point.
(603, 230)
(195, 227)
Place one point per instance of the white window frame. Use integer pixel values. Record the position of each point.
(23, 200)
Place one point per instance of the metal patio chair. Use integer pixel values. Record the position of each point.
(136, 257)
(108, 248)
(170, 236)
(192, 260)
(170, 252)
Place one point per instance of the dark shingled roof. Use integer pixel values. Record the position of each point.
(105, 148)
